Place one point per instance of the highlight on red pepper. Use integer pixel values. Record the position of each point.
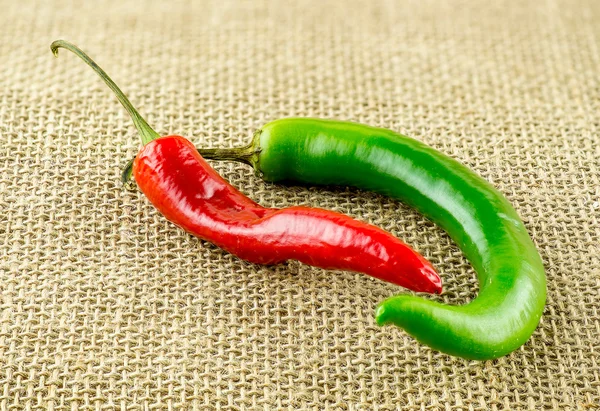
(191, 194)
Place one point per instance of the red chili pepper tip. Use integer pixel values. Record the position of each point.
(430, 273)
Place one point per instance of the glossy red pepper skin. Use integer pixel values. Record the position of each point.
(192, 195)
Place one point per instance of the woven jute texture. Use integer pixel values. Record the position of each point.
(106, 305)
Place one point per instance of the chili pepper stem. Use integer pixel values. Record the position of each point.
(247, 154)
(147, 134)
(244, 154)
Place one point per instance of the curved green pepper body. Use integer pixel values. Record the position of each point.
(477, 217)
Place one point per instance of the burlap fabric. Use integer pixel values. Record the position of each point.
(105, 305)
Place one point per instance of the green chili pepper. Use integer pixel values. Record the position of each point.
(478, 218)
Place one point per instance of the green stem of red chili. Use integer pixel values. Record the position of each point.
(147, 134)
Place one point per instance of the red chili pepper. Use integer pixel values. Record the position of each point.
(188, 192)
(191, 194)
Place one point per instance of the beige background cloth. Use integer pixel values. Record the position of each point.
(106, 305)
